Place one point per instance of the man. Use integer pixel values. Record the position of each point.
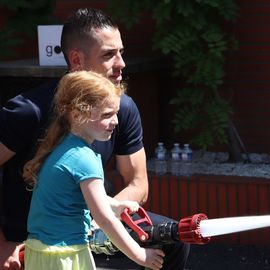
(90, 41)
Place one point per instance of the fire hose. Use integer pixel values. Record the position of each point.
(146, 234)
(195, 229)
(186, 230)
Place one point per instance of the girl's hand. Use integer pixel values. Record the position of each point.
(9, 256)
(151, 258)
(119, 206)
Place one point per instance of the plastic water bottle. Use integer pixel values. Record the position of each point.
(160, 159)
(186, 168)
(176, 157)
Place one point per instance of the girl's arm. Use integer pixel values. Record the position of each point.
(99, 204)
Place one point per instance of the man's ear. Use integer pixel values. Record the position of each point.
(76, 60)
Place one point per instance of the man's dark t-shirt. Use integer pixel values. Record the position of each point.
(22, 121)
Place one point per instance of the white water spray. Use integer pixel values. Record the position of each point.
(220, 226)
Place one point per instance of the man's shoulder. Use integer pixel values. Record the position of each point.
(38, 94)
(41, 91)
(26, 112)
(127, 105)
(126, 99)
(35, 100)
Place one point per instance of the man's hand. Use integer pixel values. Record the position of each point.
(9, 255)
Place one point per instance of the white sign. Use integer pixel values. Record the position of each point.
(50, 53)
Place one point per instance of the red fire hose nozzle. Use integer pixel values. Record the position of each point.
(189, 230)
(186, 230)
(21, 257)
(144, 218)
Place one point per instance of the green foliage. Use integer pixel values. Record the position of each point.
(24, 17)
(191, 32)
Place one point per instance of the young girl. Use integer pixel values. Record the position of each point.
(68, 178)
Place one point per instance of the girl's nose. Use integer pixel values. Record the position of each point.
(115, 120)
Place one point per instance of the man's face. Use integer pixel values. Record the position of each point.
(105, 54)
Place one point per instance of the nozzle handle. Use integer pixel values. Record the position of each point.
(133, 224)
(21, 257)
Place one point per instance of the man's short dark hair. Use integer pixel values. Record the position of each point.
(78, 28)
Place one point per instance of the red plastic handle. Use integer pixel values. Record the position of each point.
(133, 224)
(21, 257)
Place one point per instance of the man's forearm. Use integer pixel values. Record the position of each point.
(133, 193)
(133, 170)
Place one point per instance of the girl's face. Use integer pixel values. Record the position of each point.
(101, 123)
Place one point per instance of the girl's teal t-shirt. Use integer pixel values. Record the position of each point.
(58, 213)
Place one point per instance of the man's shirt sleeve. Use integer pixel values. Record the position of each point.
(18, 121)
(22, 116)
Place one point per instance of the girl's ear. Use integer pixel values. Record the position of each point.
(75, 114)
(76, 60)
